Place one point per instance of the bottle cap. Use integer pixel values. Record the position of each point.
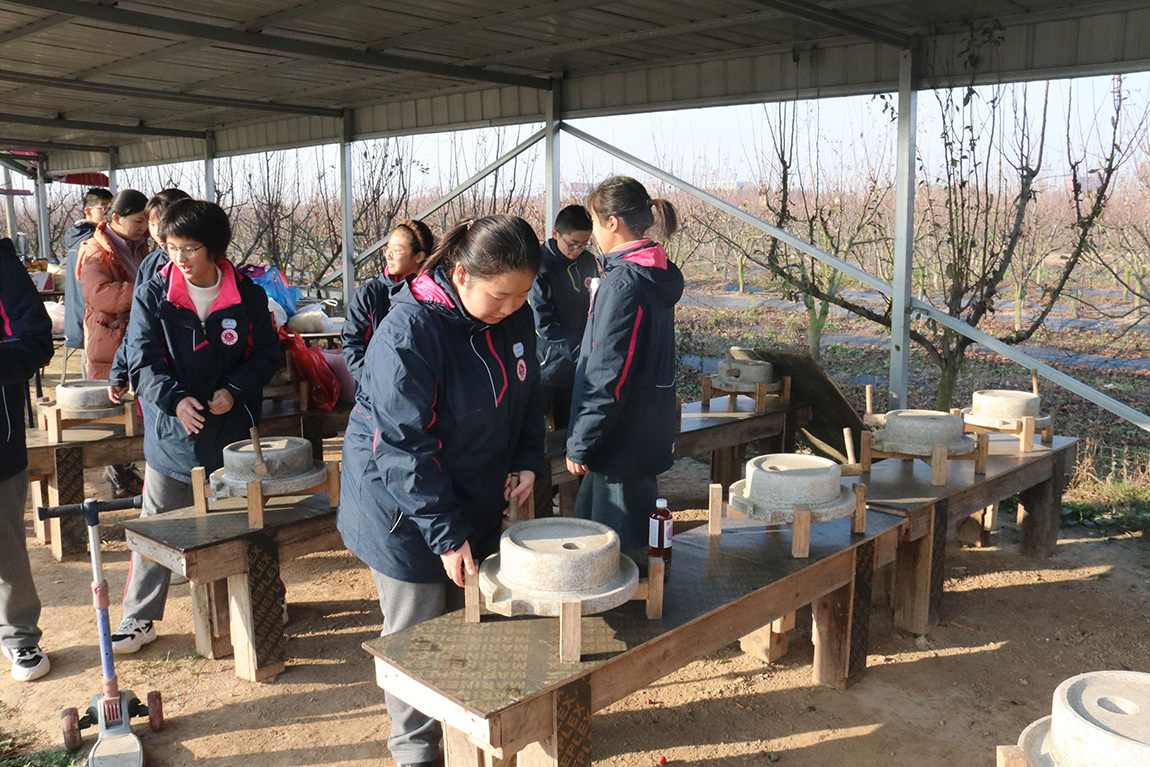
(661, 503)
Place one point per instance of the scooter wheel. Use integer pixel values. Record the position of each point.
(70, 722)
(155, 711)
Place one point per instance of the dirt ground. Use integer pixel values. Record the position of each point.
(1011, 630)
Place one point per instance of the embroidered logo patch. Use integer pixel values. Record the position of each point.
(228, 322)
(521, 369)
(229, 337)
(518, 349)
(587, 283)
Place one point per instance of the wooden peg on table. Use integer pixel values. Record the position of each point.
(200, 489)
(858, 518)
(570, 630)
(801, 534)
(470, 597)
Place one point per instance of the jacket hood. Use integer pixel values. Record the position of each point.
(552, 255)
(648, 260)
(77, 233)
(433, 290)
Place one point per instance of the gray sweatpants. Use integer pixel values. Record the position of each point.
(19, 604)
(147, 587)
(415, 737)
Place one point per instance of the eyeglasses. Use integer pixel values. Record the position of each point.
(574, 245)
(187, 250)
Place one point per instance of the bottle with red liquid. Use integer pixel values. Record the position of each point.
(660, 527)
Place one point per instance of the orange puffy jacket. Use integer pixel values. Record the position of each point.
(107, 276)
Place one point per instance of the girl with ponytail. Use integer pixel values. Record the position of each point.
(622, 429)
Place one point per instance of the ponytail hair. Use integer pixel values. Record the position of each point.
(422, 240)
(627, 200)
(488, 247)
(127, 202)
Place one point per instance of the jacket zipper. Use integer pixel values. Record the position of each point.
(490, 377)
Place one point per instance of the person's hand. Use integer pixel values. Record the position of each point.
(187, 411)
(523, 490)
(456, 563)
(578, 469)
(221, 402)
(116, 393)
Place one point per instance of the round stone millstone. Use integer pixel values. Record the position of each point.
(541, 562)
(283, 456)
(778, 484)
(1005, 409)
(1098, 719)
(224, 486)
(84, 395)
(916, 432)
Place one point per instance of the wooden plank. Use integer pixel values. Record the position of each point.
(938, 461)
(570, 630)
(1010, 756)
(858, 518)
(569, 744)
(256, 505)
(714, 509)
(68, 536)
(1040, 512)
(200, 489)
(414, 692)
(460, 750)
(471, 597)
(37, 488)
(912, 582)
(568, 492)
(801, 534)
(771, 642)
(831, 635)
(656, 573)
(211, 619)
(256, 601)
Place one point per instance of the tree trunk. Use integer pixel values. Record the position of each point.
(1018, 293)
(817, 320)
(951, 367)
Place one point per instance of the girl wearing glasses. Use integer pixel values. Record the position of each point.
(106, 271)
(408, 247)
(201, 348)
(622, 431)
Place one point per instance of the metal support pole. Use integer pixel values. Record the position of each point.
(553, 115)
(210, 166)
(903, 233)
(43, 225)
(9, 206)
(346, 213)
(113, 166)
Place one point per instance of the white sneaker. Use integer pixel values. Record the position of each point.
(28, 663)
(132, 635)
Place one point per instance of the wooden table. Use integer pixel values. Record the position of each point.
(237, 594)
(61, 466)
(500, 689)
(722, 433)
(904, 487)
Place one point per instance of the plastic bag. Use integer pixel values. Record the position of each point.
(279, 314)
(310, 365)
(310, 319)
(276, 287)
(55, 311)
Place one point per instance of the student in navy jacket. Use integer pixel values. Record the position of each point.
(560, 299)
(25, 347)
(622, 430)
(448, 407)
(201, 348)
(407, 248)
(96, 201)
(150, 266)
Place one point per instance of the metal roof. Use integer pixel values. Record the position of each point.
(156, 78)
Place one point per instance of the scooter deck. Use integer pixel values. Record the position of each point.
(117, 750)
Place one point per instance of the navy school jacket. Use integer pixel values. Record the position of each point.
(623, 406)
(172, 355)
(25, 347)
(150, 266)
(447, 407)
(560, 299)
(368, 307)
(73, 295)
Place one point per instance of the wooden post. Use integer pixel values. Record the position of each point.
(1034, 380)
(256, 505)
(36, 486)
(656, 572)
(732, 403)
(568, 492)
(200, 490)
(460, 751)
(714, 509)
(55, 424)
(132, 423)
(569, 744)
(867, 436)
(470, 597)
(333, 483)
(912, 579)
(849, 443)
(256, 601)
(210, 619)
(1026, 437)
(831, 632)
(304, 397)
(1010, 756)
(801, 534)
(513, 502)
(705, 403)
(68, 536)
(1048, 432)
(858, 518)
(938, 466)
(785, 395)
(771, 642)
(869, 399)
(761, 395)
(570, 631)
(982, 453)
(1040, 512)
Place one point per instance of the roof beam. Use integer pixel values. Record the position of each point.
(838, 20)
(47, 146)
(291, 46)
(441, 31)
(101, 127)
(7, 75)
(39, 25)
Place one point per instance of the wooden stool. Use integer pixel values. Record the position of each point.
(938, 459)
(53, 421)
(761, 394)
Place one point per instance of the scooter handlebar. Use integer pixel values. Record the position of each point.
(90, 506)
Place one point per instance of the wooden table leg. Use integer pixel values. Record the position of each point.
(912, 581)
(1040, 512)
(771, 642)
(211, 619)
(570, 742)
(68, 535)
(568, 492)
(460, 751)
(544, 492)
(256, 599)
(841, 629)
(37, 487)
